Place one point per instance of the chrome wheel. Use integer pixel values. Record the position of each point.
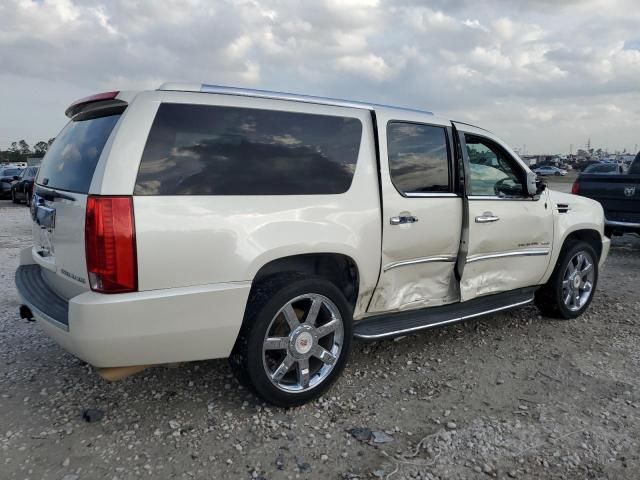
(578, 280)
(303, 343)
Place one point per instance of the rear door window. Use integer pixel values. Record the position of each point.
(217, 150)
(72, 158)
(418, 158)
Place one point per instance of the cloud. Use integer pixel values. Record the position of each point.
(505, 65)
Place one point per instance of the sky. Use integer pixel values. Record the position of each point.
(545, 74)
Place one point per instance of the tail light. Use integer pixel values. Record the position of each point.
(110, 243)
(575, 188)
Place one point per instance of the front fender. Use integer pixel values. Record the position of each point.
(581, 214)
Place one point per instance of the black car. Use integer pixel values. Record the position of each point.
(7, 175)
(22, 187)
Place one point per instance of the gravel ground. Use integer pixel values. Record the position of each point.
(514, 395)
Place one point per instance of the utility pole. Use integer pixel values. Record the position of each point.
(571, 149)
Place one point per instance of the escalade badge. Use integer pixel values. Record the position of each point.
(630, 191)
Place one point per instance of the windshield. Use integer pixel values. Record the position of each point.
(10, 172)
(72, 158)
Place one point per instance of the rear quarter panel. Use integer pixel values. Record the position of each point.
(197, 240)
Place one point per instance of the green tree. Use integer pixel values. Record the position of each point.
(40, 148)
(24, 148)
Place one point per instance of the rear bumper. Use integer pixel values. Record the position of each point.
(631, 227)
(141, 328)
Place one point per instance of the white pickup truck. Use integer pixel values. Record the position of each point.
(196, 221)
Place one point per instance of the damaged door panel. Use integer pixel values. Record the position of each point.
(422, 215)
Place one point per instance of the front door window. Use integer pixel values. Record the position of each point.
(491, 170)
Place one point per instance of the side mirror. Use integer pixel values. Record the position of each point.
(16, 177)
(532, 184)
(540, 187)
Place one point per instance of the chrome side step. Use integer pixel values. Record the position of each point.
(404, 323)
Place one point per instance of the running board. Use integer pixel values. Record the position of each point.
(403, 323)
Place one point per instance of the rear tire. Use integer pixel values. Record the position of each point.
(572, 284)
(295, 339)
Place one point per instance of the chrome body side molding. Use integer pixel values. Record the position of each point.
(439, 258)
(528, 252)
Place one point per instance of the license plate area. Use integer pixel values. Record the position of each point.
(44, 216)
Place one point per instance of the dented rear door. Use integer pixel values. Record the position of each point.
(422, 213)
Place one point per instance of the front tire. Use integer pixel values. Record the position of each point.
(295, 339)
(572, 284)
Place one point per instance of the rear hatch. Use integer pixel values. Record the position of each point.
(60, 196)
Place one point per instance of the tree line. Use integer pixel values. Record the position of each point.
(19, 151)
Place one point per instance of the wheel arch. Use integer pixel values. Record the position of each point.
(589, 236)
(338, 268)
(585, 233)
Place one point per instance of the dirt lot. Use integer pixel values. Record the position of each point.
(514, 395)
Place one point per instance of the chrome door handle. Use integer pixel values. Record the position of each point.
(487, 217)
(403, 219)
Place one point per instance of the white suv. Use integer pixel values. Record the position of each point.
(196, 222)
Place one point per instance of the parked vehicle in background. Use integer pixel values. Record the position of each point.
(605, 168)
(619, 195)
(22, 186)
(7, 177)
(549, 170)
(196, 221)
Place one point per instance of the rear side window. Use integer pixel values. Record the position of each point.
(634, 168)
(215, 150)
(418, 158)
(72, 158)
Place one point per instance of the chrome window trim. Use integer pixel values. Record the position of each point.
(432, 194)
(434, 259)
(527, 252)
(495, 197)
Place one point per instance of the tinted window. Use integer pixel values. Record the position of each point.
(71, 160)
(634, 168)
(418, 157)
(493, 172)
(213, 150)
(10, 172)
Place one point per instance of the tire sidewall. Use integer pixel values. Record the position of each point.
(569, 253)
(261, 321)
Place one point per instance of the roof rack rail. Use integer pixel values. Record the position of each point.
(247, 92)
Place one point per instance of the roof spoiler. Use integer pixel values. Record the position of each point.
(106, 98)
